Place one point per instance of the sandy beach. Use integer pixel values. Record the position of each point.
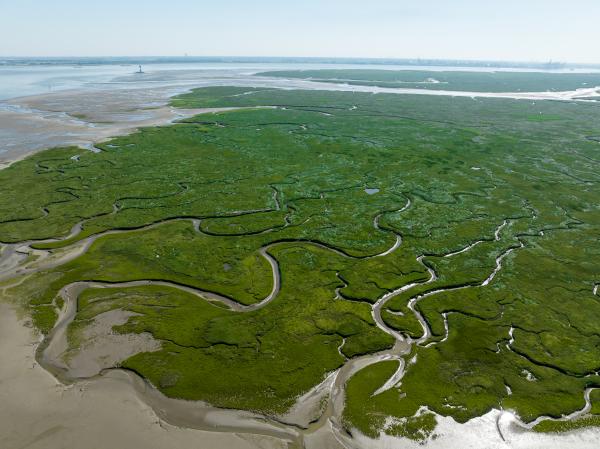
(39, 412)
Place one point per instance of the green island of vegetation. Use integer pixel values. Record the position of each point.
(264, 247)
(455, 80)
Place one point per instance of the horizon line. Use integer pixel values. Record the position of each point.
(410, 60)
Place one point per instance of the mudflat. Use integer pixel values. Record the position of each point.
(39, 412)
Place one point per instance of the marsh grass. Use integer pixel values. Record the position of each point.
(293, 178)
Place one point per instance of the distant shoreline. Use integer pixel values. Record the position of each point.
(107, 60)
(92, 111)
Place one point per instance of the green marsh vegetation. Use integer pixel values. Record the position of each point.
(513, 203)
(387, 411)
(592, 419)
(450, 80)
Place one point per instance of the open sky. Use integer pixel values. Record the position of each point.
(518, 30)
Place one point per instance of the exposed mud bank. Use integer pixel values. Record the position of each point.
(39, 413)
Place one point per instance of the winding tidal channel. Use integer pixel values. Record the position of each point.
(298, 428)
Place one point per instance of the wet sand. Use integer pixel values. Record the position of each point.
(77, 118)
(38, 412)
(101, 348)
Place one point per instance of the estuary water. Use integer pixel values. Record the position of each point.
(19, 79)
(48, 103)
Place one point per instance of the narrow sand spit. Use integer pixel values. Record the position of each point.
(310, 406)
(37, 412)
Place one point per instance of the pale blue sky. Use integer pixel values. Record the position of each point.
(525, 30)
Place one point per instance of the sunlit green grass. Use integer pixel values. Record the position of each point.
(293, 179)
